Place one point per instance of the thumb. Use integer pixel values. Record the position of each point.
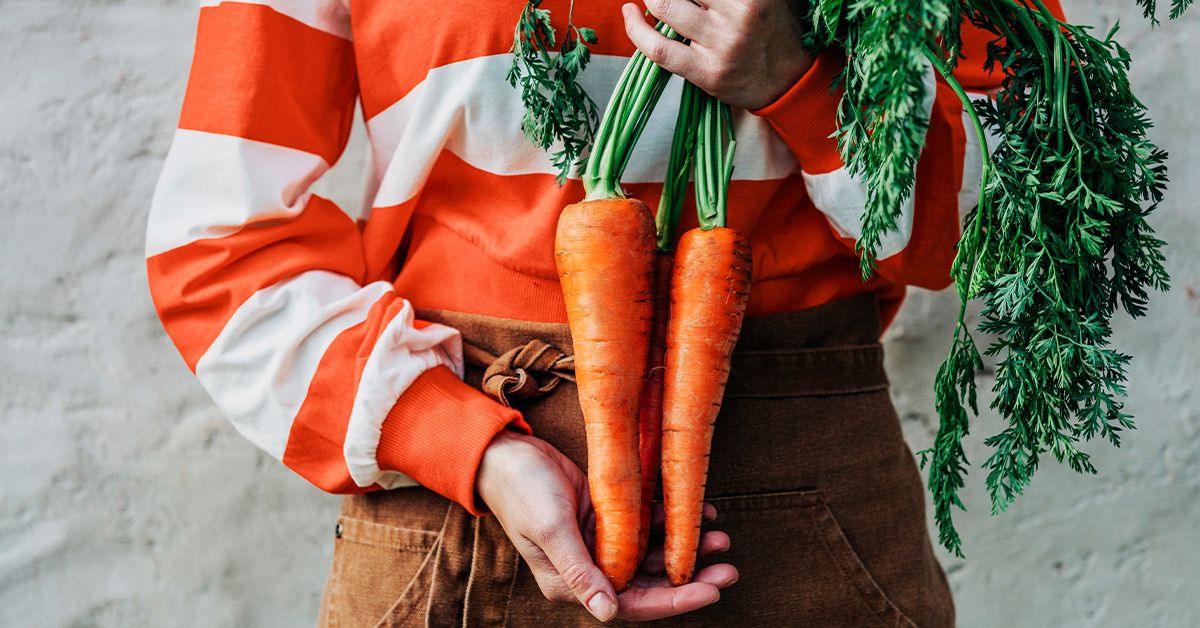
(586, 581)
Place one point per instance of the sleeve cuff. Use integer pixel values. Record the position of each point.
(437, 431)
(806, 115)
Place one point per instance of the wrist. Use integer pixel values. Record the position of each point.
(504, 449)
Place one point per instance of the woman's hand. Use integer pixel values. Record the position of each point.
(541, 500)
(746, 53)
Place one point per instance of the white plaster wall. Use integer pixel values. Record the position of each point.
(126, 499)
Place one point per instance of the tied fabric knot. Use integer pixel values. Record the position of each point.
(525, 372)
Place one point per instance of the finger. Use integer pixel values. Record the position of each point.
(657, 602)
(565, 548)
(684, 16)
(549, 582)
(673, 56)
(720, 575)
(711, 544)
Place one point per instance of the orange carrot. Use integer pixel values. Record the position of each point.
(709, 293)
(670, 206)
(650, 417)
(604, 250)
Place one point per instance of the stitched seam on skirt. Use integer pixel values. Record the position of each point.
(471, 577)
(512, 585)
(389, 618)
(335, 579)
(855, 572)
(809, 393)
(755, 502)
(391, 537)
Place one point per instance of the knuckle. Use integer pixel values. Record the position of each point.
(548, 531)
(577, 577)
(662, 9)
(754, 8)
(658, 52)
(558, 595)
(720, 75)
(542, 535)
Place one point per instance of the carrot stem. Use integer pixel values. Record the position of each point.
(637, 91)
(715, 149)
(683, 153)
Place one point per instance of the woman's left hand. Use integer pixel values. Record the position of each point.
(746, 53)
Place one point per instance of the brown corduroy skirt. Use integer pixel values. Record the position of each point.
(810, 476)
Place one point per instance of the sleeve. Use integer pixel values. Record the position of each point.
(920, 251)
(260, 283)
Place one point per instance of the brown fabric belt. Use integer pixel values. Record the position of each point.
(832, 350)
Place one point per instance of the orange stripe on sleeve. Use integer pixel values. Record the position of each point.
(437, 433)
(197, 287)
(260, 75)
(806, 115)
(315, 445)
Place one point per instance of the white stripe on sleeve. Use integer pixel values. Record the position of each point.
(468, 108)
(213, 185)
(968, 193)
(402, 354)
(260, 366)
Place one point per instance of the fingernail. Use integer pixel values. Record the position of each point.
(602, 606)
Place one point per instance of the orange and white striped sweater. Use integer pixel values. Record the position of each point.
(297, 315)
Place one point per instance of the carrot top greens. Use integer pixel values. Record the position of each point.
(1059, 240)
(559, 114)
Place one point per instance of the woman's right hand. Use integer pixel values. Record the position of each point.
(541, 500)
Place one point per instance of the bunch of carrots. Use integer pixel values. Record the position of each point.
(653, 331)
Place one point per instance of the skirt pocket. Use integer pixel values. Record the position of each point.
(380, 576)
(796, 567)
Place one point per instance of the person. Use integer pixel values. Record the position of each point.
(301, 318)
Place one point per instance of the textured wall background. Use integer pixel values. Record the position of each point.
(126, 499)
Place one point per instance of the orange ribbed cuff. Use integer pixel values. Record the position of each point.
(437, 431)
(806, 115)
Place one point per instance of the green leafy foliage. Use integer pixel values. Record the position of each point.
(1059, 241)
(881, 115)
(1150, 8)
(559, 114)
